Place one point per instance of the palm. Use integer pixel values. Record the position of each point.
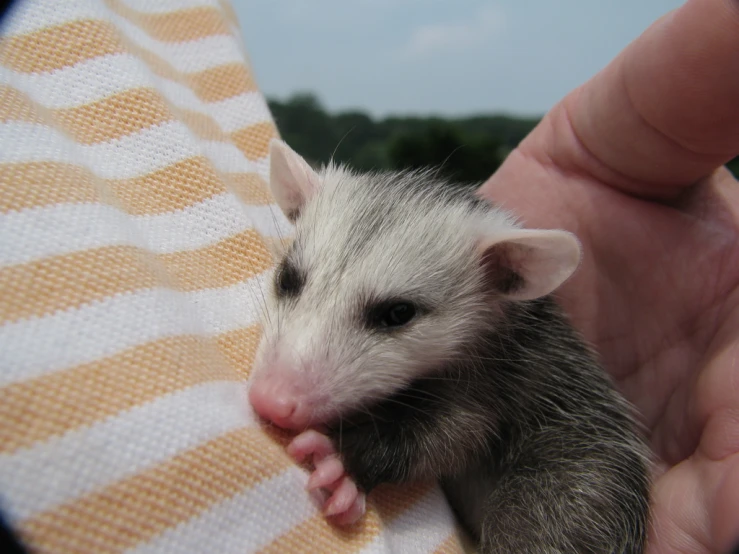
(658, 291)
(652, 296)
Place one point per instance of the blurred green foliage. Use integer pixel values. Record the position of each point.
(470, 148)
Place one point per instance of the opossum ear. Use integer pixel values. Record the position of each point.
(524, 264)
(291, 180)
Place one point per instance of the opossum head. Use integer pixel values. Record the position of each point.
(390, 277)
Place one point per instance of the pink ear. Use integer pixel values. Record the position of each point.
(524, 264)
(291, 180)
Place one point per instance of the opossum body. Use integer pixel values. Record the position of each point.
(412, 322)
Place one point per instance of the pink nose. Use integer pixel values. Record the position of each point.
(275, 397)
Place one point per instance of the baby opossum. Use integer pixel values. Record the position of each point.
(410, 321)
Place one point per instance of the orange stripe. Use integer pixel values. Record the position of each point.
(222, 82)
(277, 247)
(254, 140)
(385, 503)
(54, 404)
(201, 125)
(176, 26)
(44, 286)
(67, 281)
(249, 187)
(16, 106)
(116, 116)
(55, 48)
(229, 13)
(132, 111)
(318, 535)
(57, 403)
(234, 76)
(227, 262)
(171, 188)
(137, 509)
(26, 185)
(240, 348)
(60, 46)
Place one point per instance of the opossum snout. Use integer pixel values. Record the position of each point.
(278, 396)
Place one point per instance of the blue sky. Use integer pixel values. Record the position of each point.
(448, 57)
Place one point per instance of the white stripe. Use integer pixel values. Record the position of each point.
(32, 15)
(225, 309)
(92, 80)
(130, 156)
(231, 114)
(61, 469)
(36, 233)
(423, 527)
(39, 346)
(246, 522)
(195, 55)
(126, 157)
(59, 229)
(164, 6)
(85, 82)
(261, 166)
(81, 84)
(208, 222)
(228, 158)
(190, 56)
(380, 545)
(238, 112)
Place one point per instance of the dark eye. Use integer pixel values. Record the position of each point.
(392, 314)
(289, 280)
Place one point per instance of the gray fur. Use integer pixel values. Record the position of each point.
(500, 400)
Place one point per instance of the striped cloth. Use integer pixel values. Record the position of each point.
(135, 231)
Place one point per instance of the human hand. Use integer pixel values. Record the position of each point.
(630, 162)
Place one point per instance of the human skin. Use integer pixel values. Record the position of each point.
(631, 162)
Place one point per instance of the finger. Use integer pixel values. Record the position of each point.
(725, 521)
(328, 471)
(663, 114)
(310, 443)
(343, 497)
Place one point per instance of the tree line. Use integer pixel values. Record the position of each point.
(468, 149)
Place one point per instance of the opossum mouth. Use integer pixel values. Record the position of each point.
(370, 416)
(400, 404)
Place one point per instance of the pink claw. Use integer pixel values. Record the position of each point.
(328, 471)
(345, 504)
(310, 443)
(342, 499)
(353, 513)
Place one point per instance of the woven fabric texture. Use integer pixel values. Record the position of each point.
(135, 231)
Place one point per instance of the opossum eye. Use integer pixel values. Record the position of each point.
(391, 314)
(289, 280)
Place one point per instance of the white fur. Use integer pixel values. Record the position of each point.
(375, 236)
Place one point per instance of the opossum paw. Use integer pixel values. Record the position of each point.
(345, 503)
(310, 443)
